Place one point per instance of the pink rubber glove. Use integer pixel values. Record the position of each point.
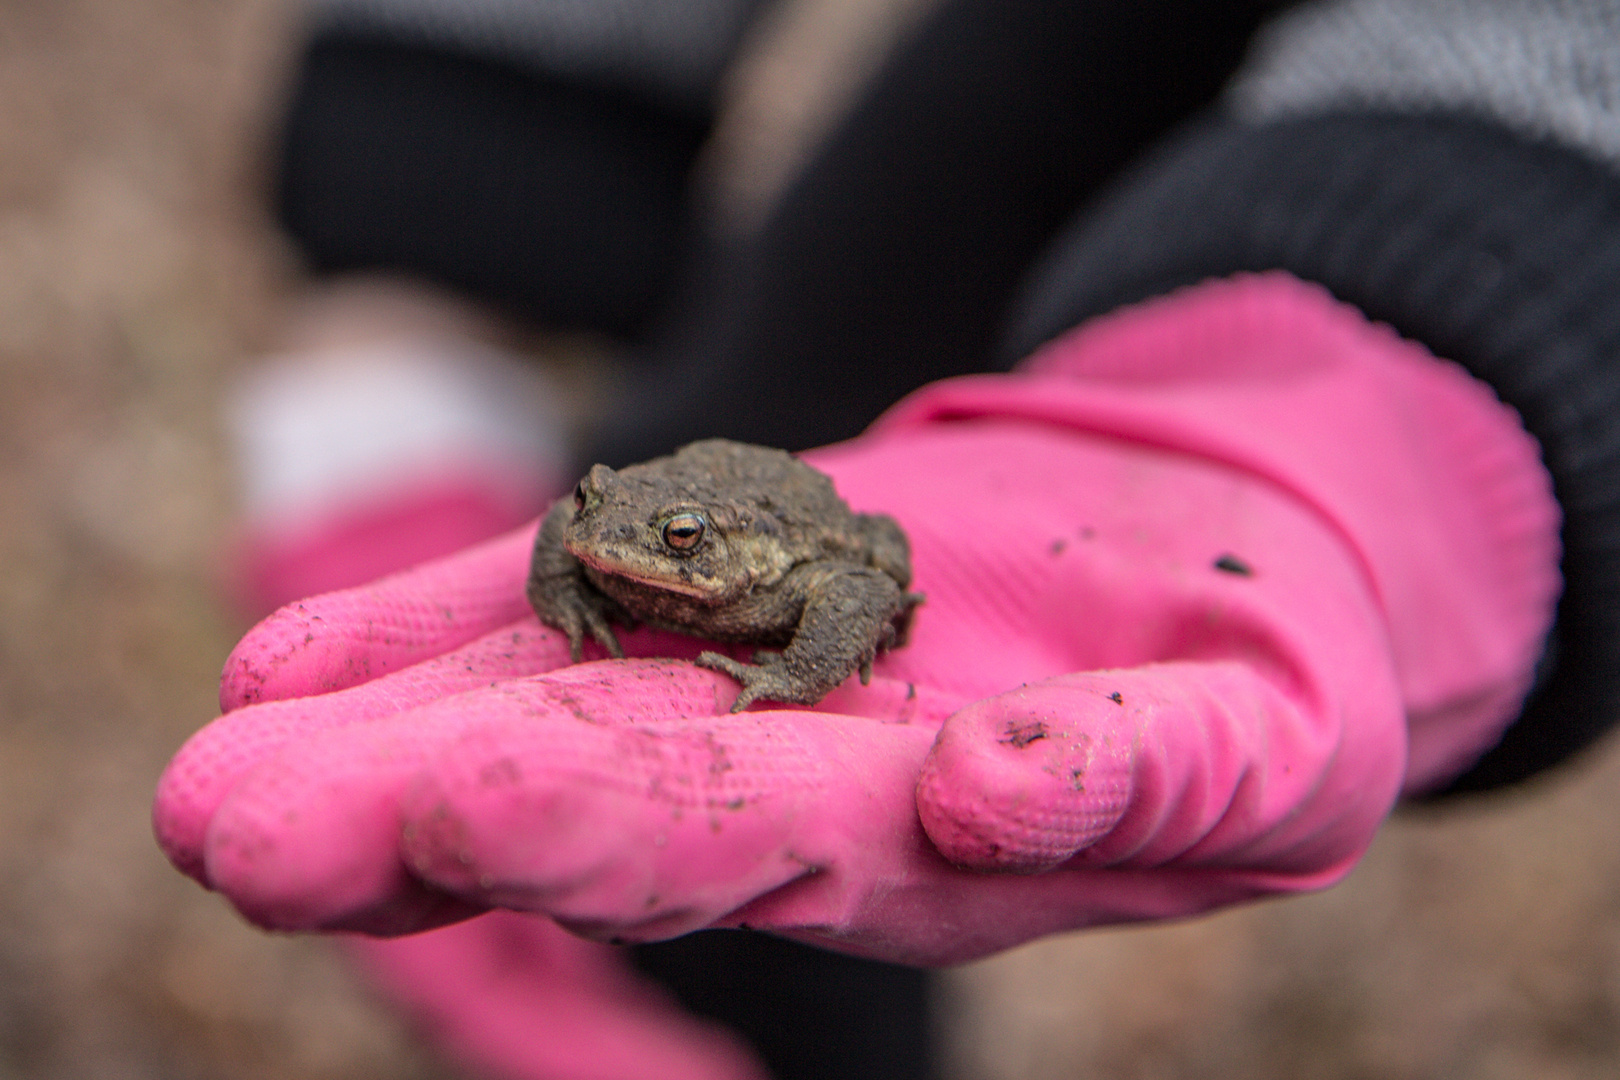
(1208, 584)
(512, 997)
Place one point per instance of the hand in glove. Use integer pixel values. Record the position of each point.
(1208, 583)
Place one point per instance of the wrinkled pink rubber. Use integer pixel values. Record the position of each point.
(1187, 576)
(1427, 476)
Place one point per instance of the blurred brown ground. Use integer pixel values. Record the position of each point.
(137, 271)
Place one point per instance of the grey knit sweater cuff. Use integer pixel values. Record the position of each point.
(1548, 70)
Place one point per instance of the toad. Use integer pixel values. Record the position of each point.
(735, 543)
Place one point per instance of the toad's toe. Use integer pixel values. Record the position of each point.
(760, 683)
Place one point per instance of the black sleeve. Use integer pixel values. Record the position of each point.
(894, 257)
(561, 203)
(534, 157)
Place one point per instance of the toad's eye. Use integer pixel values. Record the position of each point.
(579, 495)
(683, 532)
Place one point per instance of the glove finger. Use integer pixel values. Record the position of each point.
(340, 639)
(1192, 763)
(644, 833)
(215, 759)
(586, 793)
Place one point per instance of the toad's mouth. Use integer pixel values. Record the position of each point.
(616, 570)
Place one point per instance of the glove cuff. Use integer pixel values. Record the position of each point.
(1431, 482)
(1495, 251)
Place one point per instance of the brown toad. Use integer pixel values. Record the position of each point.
(735, 543)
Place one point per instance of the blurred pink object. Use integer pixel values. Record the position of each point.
(361, 460)
(365, 541)
(514, 997)
(1209, 583)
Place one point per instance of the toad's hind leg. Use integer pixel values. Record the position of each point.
(848, 615)
(887, 547)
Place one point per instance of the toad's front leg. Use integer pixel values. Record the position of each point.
(560, 594)
(849, 614)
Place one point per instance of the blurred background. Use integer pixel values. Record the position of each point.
(138, 273)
